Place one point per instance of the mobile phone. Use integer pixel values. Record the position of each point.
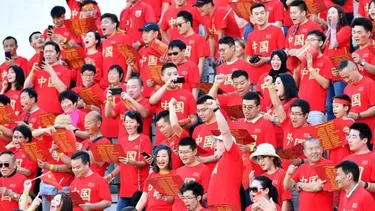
(50, 27)
(145, 154)
(41, 59)
(180, 80)
(8, 55)
(254, 59)
(116, 91)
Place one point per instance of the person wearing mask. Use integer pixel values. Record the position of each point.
(12, 87)
(307, 182)
(337, 43)
(133, 169)
(92, 187)
(264, 195)
(192, 196)
(192, 170)
(11, 182)
(162, 166)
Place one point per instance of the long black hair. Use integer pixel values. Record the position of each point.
(341, 16)
(66, 202)
(20, 78)
(266, 183)
(290, 87)
(155, 167)
(26, 132)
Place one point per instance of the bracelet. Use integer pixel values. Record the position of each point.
(60, 154)
(252, 147)
(56, 168)
(110, 176)
(368, 186)
(51, 166)
(26, 193)
(288, 175)
(216, 84)
(1, 127)
(271, 86)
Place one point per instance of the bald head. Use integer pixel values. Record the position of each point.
(310, 141)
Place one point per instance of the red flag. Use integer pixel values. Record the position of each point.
(7, 115)
(50, 179)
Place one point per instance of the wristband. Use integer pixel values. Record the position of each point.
(359, 116)
(26, 193)
(60, 154)
(252, 148)
(216, 84)
(110, 176)
(271, 86)
(51, 166)
(216, 109)
(1, 127)
(368, 186)
(288, 174)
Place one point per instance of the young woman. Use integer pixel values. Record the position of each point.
(278, 66)
(25, 166)
(94, 54)
(337, 44)
(133, 169)
(265, 156)
(264, 195)
(13, 86)
(284, 94)
(162, 166)
(61, 202)
(240, 48)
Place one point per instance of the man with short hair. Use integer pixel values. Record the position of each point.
(77, 9)
(186, 68)
(36, 41)
(192, 195)
(197, 49)
(92, 188)
(231, 64)
(353, 194)
(305, 179)
(313, 78)
(192, 170)
(10, 46)
(359, 138)
(11, 182)
(110, 25)
(359, 89)
(31, 110)
(362, 37)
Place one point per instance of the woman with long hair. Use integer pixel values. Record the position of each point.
(337, 43)
(264, 195)
(162, 166)
(278, 65)
(240, 45)
(133, 169)
(265, 156)
(61, 202)
(94, 54)
(282, 94)
(12, 86)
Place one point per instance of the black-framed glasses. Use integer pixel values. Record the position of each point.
(6, 165)
(180, 24)
(173, 53)
(259, 159)
(255, 189)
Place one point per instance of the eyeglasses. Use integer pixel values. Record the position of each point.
(18, 137)
(255, 189)
(179, 24)
(6, 165)
(173, 53)
(259, 159)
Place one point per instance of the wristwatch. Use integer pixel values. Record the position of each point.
(359, 116)
(216, 109)
(362, 63)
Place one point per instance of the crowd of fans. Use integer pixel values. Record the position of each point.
(208, 98)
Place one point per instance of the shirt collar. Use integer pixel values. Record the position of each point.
(352, 191)
(254, 120)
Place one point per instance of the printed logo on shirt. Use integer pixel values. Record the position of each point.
(6, 198)
(189, 180)
(91, 185)
(138, 13)
(355, 205)
(86, 194)
(356, 100)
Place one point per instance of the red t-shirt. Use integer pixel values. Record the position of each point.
(94, 167)
(278, 181)
(24, 162)
(32, 61)
(156, 5)
(146, 62)
(225, 183)
(337, 155)
(63, 31)
(172, 143)
(75, 9)
(134, 18)
(152, 202)
(14, 183)
(33, 119)
(366, 163)
(275, 10)
(19, 61)
(121, 107)
(366, 55)
(199, 173)
(92, 189)
(363, 8)
(264, 42)
(189, 70)
(202, 135)
(362, 98)
(228, 68)
(262, 132)
(222, 19)
(307, 200)
(112, 56)
(309, 89)
(48, 96)
(359, 200)
(129, 174)
(168, 23)
(14, 96)
(196, 47)
(250, 208)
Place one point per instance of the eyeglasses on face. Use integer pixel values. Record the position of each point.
(6, 165)
(255, 189)
(173, 53)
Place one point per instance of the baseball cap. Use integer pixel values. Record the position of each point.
(200, 3)
(149, 26)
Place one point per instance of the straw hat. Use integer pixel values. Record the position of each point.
(62, 120)
(264, 150)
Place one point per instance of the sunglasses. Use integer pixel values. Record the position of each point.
(6, 165)
(173, 53)
(255, 189)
